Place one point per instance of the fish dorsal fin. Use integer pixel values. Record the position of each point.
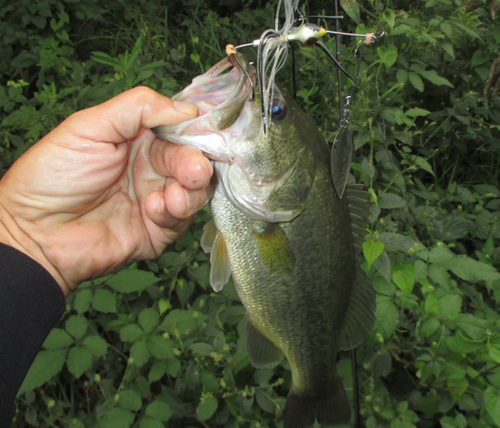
(213, 242)
(341, 157)
(359, 207)
(261, 351)
(360, 315)
(274, 247)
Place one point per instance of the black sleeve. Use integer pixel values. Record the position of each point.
(31, 303)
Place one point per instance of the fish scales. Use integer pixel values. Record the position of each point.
(286, 237)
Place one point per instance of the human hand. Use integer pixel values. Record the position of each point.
(101, 189)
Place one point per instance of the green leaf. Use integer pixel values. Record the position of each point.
(440, 254)
(79, 360)
(157, 371)
(164, 306)
(148, 319)
(181, 320)
(58, 339)
(265, 402)
(104, 301)
(457, 387)
(415, 112)
(117, 417)
(461, 345)
(76, 325)
(372, 250)
(147, 422)
(202, 348)
(140, 353)
(130, 400)
(390, 201)
(416, 81)
(386, 317)
(39, 21)
(161, 347)
(131, 333)
(173, 366)
(131, 280)
(491, 399)
(388, 55)
(47, 364)
(433, 77)
(390, 17)
(473, 326)
(352, 9)
(206, 408)
(471, 270)
(159, 410)
(96, 345)
(404, 277)
(449, 307)
(429, 327)
(82, 301)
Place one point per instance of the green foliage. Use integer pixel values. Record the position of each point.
(152, 346)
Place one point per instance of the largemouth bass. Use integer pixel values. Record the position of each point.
(283, 233)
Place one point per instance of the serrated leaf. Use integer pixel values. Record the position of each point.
(79, 360)
(140, 353)
(82, 301)
(157, 371)
(76, 325)
(202, 348)
(404, 277)
(471, 270)
(416, 81)
(148, 319)
(491, 399)
(161, 347)
(372, 250)
(96, 345)
(117, 417)
(47, 364)
(58, 339)
(104, 301)
(131, 280)
(131, 333)
(160, 411)
(130, 400)
(206, 408)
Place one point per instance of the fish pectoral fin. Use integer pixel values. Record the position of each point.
(360, 316)
(209, 233)
(274, 248)
(341, 157)
(220, 270)
(261, 351)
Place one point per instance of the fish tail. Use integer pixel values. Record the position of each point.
(329, 406)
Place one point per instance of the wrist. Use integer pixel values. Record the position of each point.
(13, 235)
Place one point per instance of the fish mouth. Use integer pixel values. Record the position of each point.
(221, 95)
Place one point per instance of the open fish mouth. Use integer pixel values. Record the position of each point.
(220, 95)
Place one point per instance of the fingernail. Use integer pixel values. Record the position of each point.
(189, 109)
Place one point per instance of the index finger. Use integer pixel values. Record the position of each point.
(122, 117)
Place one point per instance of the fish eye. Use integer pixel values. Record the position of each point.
(278, 109)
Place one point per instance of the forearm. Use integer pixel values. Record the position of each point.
(31, 302)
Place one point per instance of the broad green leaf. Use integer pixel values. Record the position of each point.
(209, 381)
(157, 371)
(386, 317)
(79, 360)
(404, 277)
(416, 81)
(265, 402)
(58, 339)
(117, 417)
(390, 201)
(173, 366)
(148, 319)
(161, 347)
(159, 410)
(428, 404)
(415, 112)
(383, 265)
(96, 345)
(164, 306)
(202, 348)
(396, 242)
(130, 400)
(471, 270)
(372, 250)
(82, 301)
(76, 325)
(131, 280)
(390, 17)
(352, 9)
(474, 327)
(388, 55)
(219, 341)
(206, 408)
(429, 327)
(457, 387)
(104, 301)
(147, 422)
(433, 77)
(47, 364)
(140, 353)
(131, 333)
(494, 352)
(491, 399)
(182, 320)
(459, 344)
(449, 307)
